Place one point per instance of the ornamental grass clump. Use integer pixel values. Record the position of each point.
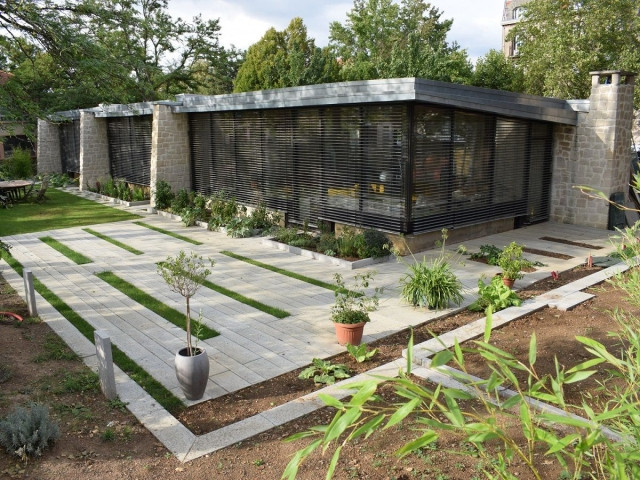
(431, 283)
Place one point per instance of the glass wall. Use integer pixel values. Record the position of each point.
(404, 168)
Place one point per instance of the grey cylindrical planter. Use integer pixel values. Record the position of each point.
(192, 373)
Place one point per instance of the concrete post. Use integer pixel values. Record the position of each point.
(29, 292)
(105, 364)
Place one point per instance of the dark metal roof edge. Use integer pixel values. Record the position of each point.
(124, 110)
(387, 90)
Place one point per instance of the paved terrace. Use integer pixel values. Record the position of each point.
(252, 346)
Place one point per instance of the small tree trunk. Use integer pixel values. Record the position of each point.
(188, 325)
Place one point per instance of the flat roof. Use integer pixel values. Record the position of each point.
(386, 91)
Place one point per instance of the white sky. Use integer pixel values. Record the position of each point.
(476, 23)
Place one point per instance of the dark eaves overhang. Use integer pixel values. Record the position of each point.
(387, 91)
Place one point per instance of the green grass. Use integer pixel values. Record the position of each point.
(170, 314)
(113, 241)
(77, 257)
(275, 311)
(61, 210)
(55, 349)
(282, 271)
(154, 388)
(167, 232)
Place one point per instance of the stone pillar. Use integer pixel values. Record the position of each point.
(595, 153)
(48, 148)
(94, 150)
(170, 152)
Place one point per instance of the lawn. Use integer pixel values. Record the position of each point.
(60, 210)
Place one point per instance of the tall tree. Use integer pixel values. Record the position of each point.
(78, 53)
(494, 70)
(285, 59)
(561, 41)
(385, 39)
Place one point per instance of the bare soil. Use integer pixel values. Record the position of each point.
(103, 440)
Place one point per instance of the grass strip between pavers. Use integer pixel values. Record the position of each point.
(113, 241)
(275, 311)
(282, 271)
(154, 388)
(167, 232)
(170, 314)
(77, 257)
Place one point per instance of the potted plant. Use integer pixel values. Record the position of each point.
(184, 275)
(352, 307)
(512, 263)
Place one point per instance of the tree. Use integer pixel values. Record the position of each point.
(384, 39)
(78, 53)
(285, 59)
(561, 41)
(496, 71)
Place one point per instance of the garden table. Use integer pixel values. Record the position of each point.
(16, 189)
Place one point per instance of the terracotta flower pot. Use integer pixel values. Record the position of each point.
(508, 281)
(349, 332)
(192, 373)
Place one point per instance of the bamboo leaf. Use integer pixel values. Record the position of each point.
(402, 412)
(427, 438)
(533, 349)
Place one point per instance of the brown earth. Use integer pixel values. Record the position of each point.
(103, 440)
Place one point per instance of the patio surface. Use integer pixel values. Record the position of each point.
(252, 346)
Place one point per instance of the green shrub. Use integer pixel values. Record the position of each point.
(239, 227)
(376, 244)
(327, 242)
(181, 201)
(191, 215)
(19, 164)
(28, 432)
(138, 194)
(262, 219)
(352, 303)
(496, 295)
(490, 253)
(163, 195)
(109, 189)
(350, 243)
(223, 209)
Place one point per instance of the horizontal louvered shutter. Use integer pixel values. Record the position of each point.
(130, 148)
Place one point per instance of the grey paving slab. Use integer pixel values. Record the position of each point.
(571, 301)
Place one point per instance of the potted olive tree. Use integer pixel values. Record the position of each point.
(512, 263)
(184, 275)
(351, 310)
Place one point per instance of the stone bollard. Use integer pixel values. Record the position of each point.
(29, 292)
(105, 364)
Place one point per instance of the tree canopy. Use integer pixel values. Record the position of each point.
(285, 59)
(494, 70)
(78, 53)
(385, 39)
(561, 41)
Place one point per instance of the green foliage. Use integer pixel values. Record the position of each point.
(350, 243)
(414, 43)
(328, 244)
(495, 295)
(285, 59)
(262, 219)
(496, 71)
(223, 209)
(57, 180)
(323, 371)
(80, 382)
(108, 435)
(163, 195)
(490, 253)
(375, 244)
(360, 353)
(4, 248)
(512, 262)
(19, 164)
(27, 433)
(240, 227)
(353, 304)
(184, 275)
(561, 41)
(181, 201)
(627, 242)
(431, 283)
(191, 215)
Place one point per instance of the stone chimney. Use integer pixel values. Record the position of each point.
(596, 152)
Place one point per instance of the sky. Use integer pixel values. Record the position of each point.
(476, 23)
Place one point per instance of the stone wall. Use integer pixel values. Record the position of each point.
(595, 153)
(170, 153)
(94, 150)
(48, 148)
